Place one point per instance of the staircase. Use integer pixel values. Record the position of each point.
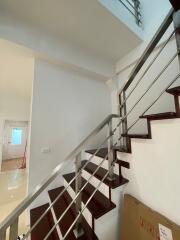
(104, 200)
(99, 206)
(88, 203)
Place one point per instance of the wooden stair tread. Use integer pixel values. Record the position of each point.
(174, 91)
(99, 205)
(101, 153)
(44, 226)
(60, 206)
(142, 136)
(160, 116)
(118, 181)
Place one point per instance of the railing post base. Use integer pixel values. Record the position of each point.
(78, 232)
(111, 178)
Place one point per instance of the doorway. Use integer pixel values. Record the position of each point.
(14, 151)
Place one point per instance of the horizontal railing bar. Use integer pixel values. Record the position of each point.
(89, 179)
(150, 86)
(133, 6)
(92, 195)
(174, 80)
(138, 19)
(41, 187)
(160, 32)
(130, 4)
(169, 85)
(147, 69)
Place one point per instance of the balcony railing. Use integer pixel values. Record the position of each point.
(133, 6)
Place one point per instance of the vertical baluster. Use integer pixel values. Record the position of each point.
(137, 8)
(124, 126)
(78, 230)
(110, 152)
(14, 230)
(176, 20)
(3, 234)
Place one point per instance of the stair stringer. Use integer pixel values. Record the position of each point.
(154, 174)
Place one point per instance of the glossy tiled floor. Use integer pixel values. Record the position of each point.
(11, 164)
(13, 188)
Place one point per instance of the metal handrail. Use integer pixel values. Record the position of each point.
(147, 69)
(41, 187)
(69, 184)
(73, 200)
(142, 60)
(151, 46)
(153, 82)
(92, 195)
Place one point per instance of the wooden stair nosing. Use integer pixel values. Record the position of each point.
(174, 91)
(119, 181)
(124, 164)
(60, 206)
(99, 204)
(160, 116)
(44, 226)
(141, 136)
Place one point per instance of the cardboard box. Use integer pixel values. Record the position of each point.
(142, 223)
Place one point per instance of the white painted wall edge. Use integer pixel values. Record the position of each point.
(72, 67)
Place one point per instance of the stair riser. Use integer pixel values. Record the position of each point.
(97, 160)
(125, 156)
(87, 214)
(104, 189)
(107, 227)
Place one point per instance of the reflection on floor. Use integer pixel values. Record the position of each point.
(11, 164)
(13, 189)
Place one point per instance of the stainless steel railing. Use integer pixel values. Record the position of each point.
(133, 7)
(128, 89)
(13, 219)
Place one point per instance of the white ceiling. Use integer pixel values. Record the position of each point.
(86, 24)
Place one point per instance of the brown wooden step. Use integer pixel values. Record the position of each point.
(160, 116)
(174, 91)
(141, 136)
(118, 181)
(99, 205)
(124, 164)
(44, 226)
(101, 153)
(60, 206)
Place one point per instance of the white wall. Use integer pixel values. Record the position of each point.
(154, 173)
(16, 76)
(67, 106)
